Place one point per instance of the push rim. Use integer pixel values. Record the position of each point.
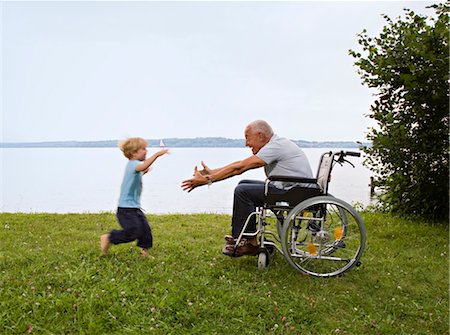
(323, 237)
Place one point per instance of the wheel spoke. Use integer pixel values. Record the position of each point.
(323, 236)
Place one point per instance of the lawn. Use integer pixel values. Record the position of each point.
(54, 281)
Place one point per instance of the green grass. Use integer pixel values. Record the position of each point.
(54, 281)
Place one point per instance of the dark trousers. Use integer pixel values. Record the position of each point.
(134, 227)
(248, 195)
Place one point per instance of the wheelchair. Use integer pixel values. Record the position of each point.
(319, 235)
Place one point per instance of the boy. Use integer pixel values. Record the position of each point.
(132, 220)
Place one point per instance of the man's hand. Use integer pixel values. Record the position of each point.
(198, 180)
(206, 170)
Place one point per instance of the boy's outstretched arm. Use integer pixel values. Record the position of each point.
(142, 167)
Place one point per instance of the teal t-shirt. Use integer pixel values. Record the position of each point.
(130, 191)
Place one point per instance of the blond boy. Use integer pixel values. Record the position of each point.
(129, 214)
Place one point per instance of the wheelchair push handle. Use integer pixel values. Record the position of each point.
(352, 153)
(341, 154)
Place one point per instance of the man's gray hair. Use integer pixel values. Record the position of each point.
(261, 126)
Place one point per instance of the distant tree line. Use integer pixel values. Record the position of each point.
(199, 142)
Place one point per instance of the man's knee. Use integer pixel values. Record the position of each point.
(245, 181)
(240, 189)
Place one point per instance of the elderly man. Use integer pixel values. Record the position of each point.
(279, 156)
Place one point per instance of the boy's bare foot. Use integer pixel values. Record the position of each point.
(144, 253)
(104, 243)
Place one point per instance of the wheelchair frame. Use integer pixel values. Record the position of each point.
(318, 234)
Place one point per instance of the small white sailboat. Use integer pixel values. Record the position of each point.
(161, 144)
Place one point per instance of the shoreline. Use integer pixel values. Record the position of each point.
(204, 142)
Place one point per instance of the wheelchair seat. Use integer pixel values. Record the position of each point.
(303, 188)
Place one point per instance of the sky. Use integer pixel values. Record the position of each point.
(89, 71)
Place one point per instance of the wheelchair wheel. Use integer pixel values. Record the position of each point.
(323, 236)
(263, 260)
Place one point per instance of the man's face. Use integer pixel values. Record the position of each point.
(254, 140)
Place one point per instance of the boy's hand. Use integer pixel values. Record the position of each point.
(163, 152)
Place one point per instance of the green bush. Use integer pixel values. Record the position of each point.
(408, 64)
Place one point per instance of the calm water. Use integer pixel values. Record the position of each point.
(78, 180)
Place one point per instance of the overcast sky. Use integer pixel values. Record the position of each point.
(110, 70)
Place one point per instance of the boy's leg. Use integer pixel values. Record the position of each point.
(129, 221)
(144, 237)
(104, 243)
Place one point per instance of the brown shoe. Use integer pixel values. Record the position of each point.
(228, 250)
(230, 240)
(246, 249)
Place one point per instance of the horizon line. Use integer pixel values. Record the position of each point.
(168, 138)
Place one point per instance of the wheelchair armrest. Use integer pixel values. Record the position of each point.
(293, 179)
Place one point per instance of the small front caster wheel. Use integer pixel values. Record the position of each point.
(263, 260)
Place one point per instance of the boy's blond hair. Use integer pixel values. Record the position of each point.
(132, 145)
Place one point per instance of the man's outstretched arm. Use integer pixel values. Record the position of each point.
(230, 170)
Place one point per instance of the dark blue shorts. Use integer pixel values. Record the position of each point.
(134, 227)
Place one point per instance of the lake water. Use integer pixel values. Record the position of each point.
(82, 180)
